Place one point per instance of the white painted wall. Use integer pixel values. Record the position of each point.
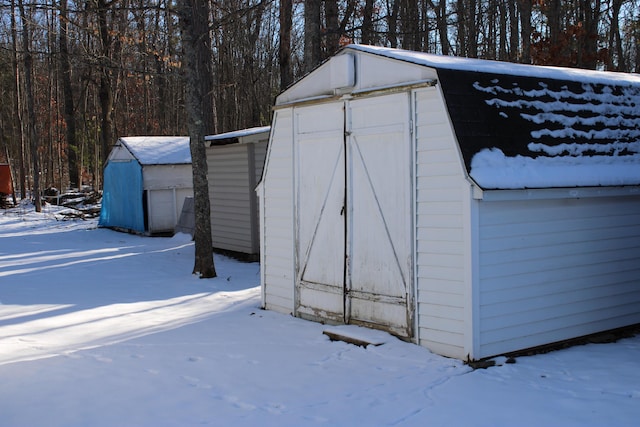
(442, 235)
(167, 186)
(277, 246)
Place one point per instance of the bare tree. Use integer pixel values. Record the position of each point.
(18, 105)
(75, 177)
(615, 40)
(367, 22)
(106, 90)
(194, 25)
(392, 22)
(284, 52)
(31, 108)
(526, 29)
(312, 49)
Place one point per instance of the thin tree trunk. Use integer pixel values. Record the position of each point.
(514, 39)
(441, 24)
(589, 16)
(284, 51)
(332, 26)
(312, 51)
(194, 23)
(502, 50)
(31, 109)
(367, 22)
(392, 22)
(18, 103)
(472, 33)
(615, 41)
(525, 30)
(557, 51)
(105, 91)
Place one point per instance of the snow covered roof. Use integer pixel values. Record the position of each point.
(158, 150)
(499, 67)
(524, 126)
(234, 136)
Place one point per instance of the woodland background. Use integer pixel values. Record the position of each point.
(76, 75)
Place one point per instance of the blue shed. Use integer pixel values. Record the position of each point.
(146, 179)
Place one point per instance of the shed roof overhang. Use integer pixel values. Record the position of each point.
(254, 134)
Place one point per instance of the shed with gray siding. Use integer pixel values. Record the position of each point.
(235, 161)
(473, 207)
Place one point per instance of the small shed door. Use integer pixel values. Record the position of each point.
(379, 204)
(320, 220)
(162, 210)
(353, 212)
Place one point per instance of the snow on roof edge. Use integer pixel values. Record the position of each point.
(500, 67)
(238, 133)
(491, 169)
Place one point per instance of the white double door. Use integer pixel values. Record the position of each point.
(354, 212)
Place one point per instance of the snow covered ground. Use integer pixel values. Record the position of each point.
(100, 328)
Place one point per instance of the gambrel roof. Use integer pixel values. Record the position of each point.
(524, 126)
(509, 121)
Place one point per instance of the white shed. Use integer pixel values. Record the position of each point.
(235, 161)
(473, 207)
(146, 179)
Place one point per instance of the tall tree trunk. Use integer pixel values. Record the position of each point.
(284, 50)
(442, 26)
(552, 12)
(367, 22)
(514, 39)
(75, 176)
(31, 108)
(589, 16)
(472, 33)
(105, 90)
(502, 50)
(392, 22)
(615, 41)
(525, 30)
(462, 27)
(18, 104)
(333, 27)
(312, 50)
(194, 24)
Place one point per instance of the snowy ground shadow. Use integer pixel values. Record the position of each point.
(99, 286)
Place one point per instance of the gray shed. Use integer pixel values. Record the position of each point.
(235, 161)
(473, 207)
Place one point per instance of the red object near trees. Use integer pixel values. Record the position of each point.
(6, 186)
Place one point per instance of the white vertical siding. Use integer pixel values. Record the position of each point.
(442, 231)
(557, 269)
(258, 153)
(277, 246)
(161, 209)
(166, 186)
